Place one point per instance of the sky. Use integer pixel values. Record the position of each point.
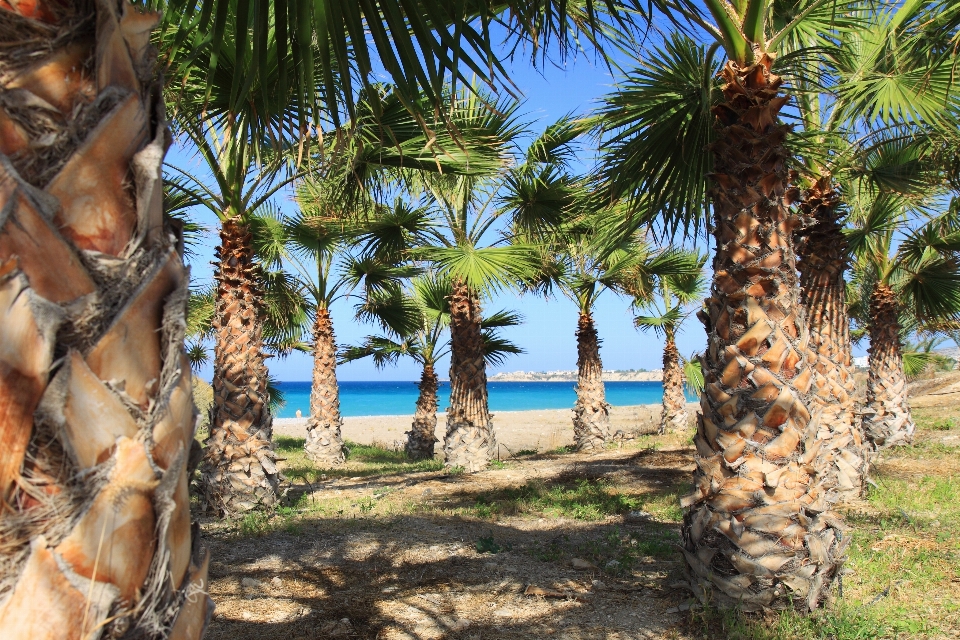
(547, 333)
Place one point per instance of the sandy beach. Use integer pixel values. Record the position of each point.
(542, 430)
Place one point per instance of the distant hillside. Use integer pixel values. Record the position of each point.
(609, 375)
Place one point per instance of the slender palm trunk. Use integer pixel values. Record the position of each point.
(324, 443)
(757, 533)
(674, 415)
(423, 434)
(591, 413)
(239, 471)
(887, 420)
(470, 441)
(842, 463)
(96, 410)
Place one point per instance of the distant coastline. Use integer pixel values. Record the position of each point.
(609, 375)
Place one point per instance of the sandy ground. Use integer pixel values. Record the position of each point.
(516, 430)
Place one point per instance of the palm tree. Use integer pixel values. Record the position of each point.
(111, 130)
(677, 293)
(549, 208)
(246, 149)
(913, 285)
(744, 546)
(422, 339)
(884, 84)
(99, 421)
(462, 248)
(339, 216)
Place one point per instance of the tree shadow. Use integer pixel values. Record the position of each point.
(422, 575)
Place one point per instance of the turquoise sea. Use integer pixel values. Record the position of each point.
(377, 398)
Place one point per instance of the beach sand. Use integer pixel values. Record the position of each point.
(542, 430)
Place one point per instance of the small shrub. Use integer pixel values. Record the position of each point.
(944, 425)
(486, 544)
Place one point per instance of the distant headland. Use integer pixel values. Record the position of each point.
(609, 375)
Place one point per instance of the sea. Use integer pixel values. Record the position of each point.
(383, 398)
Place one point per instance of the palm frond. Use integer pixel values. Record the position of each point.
(496, 349)
(392, 310)
(659, 324)
(656, 129)
(693, 375)
(484, 269)
(201, 307)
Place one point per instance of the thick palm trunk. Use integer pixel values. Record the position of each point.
(324, 443)
(591, 413)
(96, 410)
(887, 420)
(674, 415)
(423, 434)
(239, 472)
(470, 441)
(842, 463)
(756, 534)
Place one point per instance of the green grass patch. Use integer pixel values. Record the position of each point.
(362, 460)
(900, 578)
(583, 500)
(616, 551)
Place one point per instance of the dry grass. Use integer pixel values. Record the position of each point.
(383, 548)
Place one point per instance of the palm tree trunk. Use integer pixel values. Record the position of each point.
(757, 533)
(96, 408)
(842, 463)
(239, 471)
(674, 415)
(887, 420)
(470, 441)
(324, 443)
(422, 435)
(591, 413)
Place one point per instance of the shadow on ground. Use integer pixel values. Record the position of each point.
(434, 570)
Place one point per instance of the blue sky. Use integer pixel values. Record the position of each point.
(548, 331)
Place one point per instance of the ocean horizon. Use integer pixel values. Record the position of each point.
(386, 398)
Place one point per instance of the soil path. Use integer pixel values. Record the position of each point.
(416, 572)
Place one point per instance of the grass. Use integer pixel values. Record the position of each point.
(583, 500)
(362, 460)
(901, 578)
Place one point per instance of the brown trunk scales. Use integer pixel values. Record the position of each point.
(324, 443)
(591, 413)
(757, 533)
(887, 421)
(96, 409)
(674, 415)
(423, 433)
(470, 441)
(822, 260)
(239, 471)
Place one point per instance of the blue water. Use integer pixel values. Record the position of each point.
(377, 398)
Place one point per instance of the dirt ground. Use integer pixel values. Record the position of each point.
(554, 545)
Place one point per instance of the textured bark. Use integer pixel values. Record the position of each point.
(423, 434)
(822, 260)
(239, 471)
(324, 442)
(674, 415)
(470, 441)
(96, 410)
(591, 413)
(887, 421)
(757, 533)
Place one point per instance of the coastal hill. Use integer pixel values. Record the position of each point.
(609, 375)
